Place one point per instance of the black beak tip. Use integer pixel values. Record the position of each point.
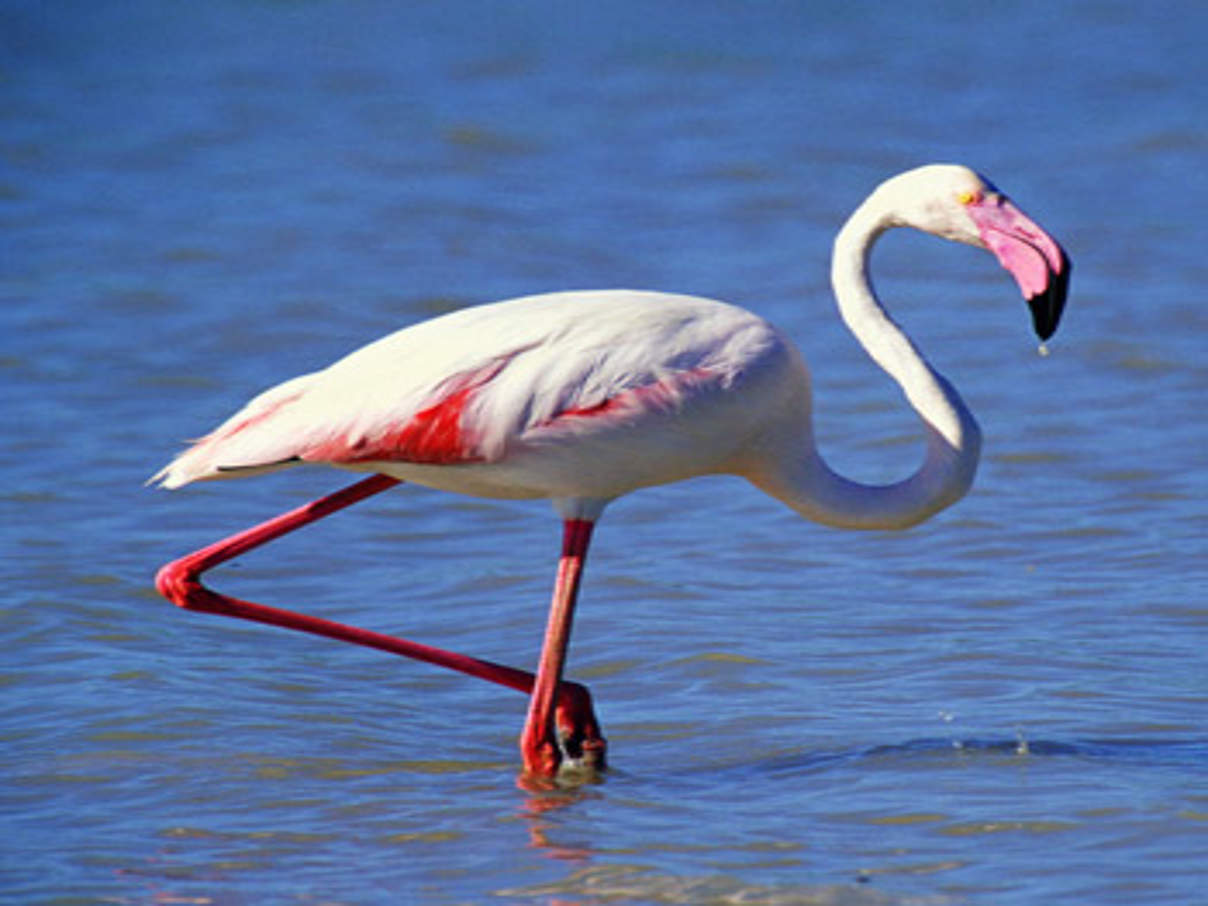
(1047, 306)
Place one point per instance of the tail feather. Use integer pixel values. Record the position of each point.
(230, 450)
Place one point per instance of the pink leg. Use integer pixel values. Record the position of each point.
(180, 582)
(539, 742)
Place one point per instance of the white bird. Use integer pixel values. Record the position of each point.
(581, 397)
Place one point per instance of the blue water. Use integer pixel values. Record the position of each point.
(1003, 706)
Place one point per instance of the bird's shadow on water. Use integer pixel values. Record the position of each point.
(927, 753)
(1188, 753)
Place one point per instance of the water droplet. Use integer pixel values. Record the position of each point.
(1042, 350)
(1021, 743)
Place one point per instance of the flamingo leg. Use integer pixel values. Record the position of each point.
(180, 582)
(539, 741)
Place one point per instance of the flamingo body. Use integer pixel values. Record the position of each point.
(583, 396)
(579, 396)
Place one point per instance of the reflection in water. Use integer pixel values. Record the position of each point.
(539, 806)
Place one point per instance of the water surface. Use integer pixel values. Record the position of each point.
(1003, 706)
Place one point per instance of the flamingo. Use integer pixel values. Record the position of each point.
(580, 397)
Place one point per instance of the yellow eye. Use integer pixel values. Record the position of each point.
(969, 197)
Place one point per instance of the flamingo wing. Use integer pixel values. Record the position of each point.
(472, 386)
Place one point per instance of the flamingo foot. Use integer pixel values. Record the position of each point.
(574, 748)
(579, 742)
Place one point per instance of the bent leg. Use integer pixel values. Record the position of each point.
(180, 582)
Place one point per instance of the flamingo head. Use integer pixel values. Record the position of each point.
(956, 203)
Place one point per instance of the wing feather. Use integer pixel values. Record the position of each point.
(472, 385)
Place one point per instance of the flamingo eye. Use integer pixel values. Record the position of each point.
(969, 197)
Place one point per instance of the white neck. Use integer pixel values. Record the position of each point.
(810, 486)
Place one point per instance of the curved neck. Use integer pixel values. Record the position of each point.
(810, 486)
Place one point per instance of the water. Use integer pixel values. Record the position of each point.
(1003, 706)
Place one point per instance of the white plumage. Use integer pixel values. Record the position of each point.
(523, 391)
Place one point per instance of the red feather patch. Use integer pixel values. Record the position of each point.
(435, 435)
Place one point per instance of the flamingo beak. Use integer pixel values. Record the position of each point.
(1038, 264)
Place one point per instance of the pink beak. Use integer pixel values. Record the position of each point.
(1038, 264)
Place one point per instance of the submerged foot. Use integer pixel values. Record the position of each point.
(572, 748)
(580, 742)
